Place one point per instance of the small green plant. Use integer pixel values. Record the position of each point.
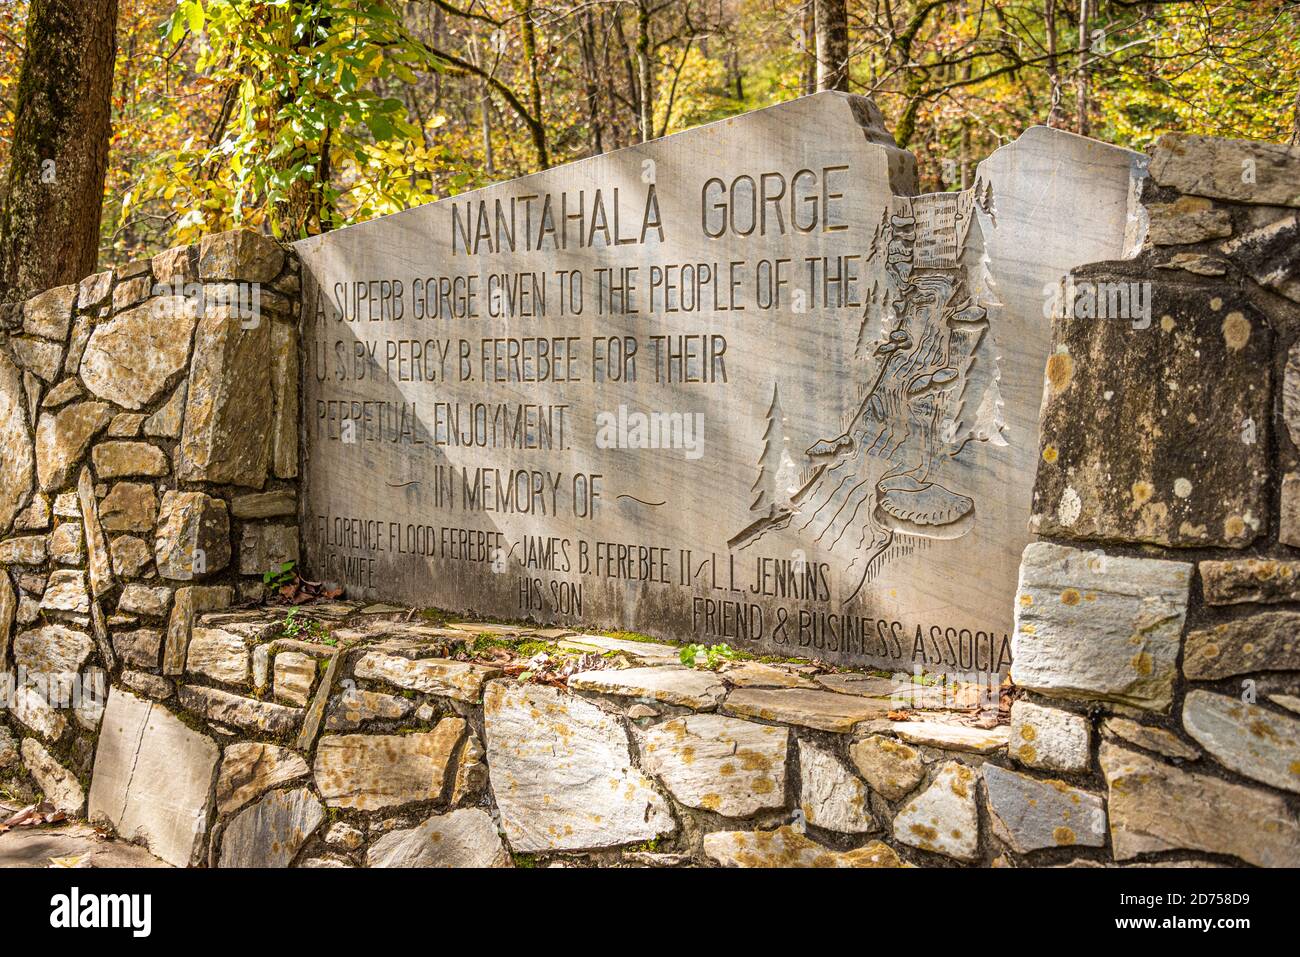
(296, 627)
(281, 576)
(706, 656)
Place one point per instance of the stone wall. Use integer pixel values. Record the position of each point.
(1156, 616)
(1156, 667)
(149, 421)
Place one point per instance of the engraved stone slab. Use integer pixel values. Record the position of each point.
(739, 384)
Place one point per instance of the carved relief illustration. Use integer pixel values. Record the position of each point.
(887, 482)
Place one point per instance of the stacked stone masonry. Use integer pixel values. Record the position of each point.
(149, 477)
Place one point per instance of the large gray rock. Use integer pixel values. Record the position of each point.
(1163, 460)
(893, 769)
(464, 838)
(219, 655)
(251, 768)
(52, 649)
(1097, 626)
(249, 714)
(440, 676)
(368, 772)
(130, 358)
(731, 767)
(822, 710)
(1214, 167)
(1050, 738)
(17, 465)
(786, 847)
(226, 438)
(830, 795)
(943, 818)
(1154, 807)
(1030, 813)
(63, 437)
(1268, 641)
(1250, 580)
(562, 773)
(153, 778)
(1251, 740)
(193, 536)
(59, 785)
(272, 831)
(684, 687)
(239, 255)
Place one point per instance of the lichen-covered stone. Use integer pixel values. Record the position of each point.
(8, 613)
(1154, 806)
(62, 394)
(66, 591)
(731, 767)
(239, 255)
(139, 647)
(99, 563)
(822, 710)
(944, 817)
(1050, 738)
(126, 459)
(153, 778)
(1263, 580)
(272, 831)
(63, 437)
(372, 771)
(464, 838)
(68, 544)
(25, 550)
(1150, 737)
(9, 755)
(455, 679)
(219, 655)
(32, 711)
(59, 785)
(94, 290)
(130, 358)
(1250, 739)
(227, 430)
(543, 743)
(52, 650)
(891, 768)
(238, 711)
(187, 603)
(176, 265)
(1187, 220)
(264, 548)
(280, 503)
(295, 675)
(830, 795)
(126, 425)
(1097, 626)
(151, 686)
(166, 422)
(1136, 445)
(131, 556)
(249, 769)
(684, 687)
(354, 707)
(193, 535)
(1031, 814)
(1210, 166)
(152, 601)
(951, 737)
(129, 507)
(49, 314)
(786, 847)
(38, 356)
(1268, 641)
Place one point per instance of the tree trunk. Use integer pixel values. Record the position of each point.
(808, 39)
(832, 26)
(1053, 66)
(645, 71)
(49, 234)
(1082, 89)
